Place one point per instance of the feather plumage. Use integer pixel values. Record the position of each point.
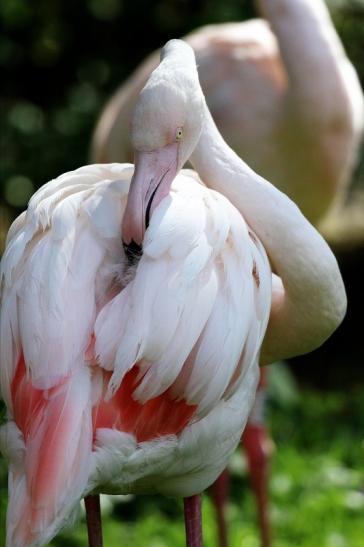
(182, 318)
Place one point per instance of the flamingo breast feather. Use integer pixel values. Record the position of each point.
(192, 306)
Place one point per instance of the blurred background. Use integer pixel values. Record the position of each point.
(60, 62)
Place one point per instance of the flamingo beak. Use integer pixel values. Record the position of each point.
(151, 182)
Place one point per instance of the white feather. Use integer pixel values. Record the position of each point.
(190, 309)
(10, 347)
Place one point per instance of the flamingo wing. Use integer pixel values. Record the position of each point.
(49, 303)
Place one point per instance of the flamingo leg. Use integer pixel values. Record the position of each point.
(255, 441)
(193, 523)
(220, 493)
(93, 519)
(258, 447)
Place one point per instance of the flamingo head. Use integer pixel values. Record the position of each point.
(165, 129)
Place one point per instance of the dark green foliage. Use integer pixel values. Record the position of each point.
(61, 61)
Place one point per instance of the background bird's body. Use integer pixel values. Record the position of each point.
(283, 94)
(119, 380)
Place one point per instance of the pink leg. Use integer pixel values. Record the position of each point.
(93, 518)
(255, 441)
(220, 493)
(193, 524)
(258, 446)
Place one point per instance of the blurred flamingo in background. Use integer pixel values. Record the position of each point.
(282, 92)
(132, 368)
(287, 99)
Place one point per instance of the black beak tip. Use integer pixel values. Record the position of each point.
(133, 251)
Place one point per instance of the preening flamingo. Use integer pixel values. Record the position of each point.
(287, 99)
(131, 323)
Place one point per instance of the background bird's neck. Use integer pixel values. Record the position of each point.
(323, 116)
(312, 54)
(298, 254)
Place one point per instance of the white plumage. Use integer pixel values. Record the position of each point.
(184, 317)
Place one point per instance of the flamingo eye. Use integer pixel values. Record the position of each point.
(179, 134)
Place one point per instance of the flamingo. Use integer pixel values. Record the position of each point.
(283, 93)
(134, 309)
(287, 99)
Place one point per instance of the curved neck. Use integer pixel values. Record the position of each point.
(311, 51)
(309, 299)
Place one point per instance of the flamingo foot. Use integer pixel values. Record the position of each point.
(193, 523)
(219, 494)
(93, 519)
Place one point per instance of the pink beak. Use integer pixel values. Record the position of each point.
(151, 182)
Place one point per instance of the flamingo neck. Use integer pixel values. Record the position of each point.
(309, 299)
(317, 67)
(324, 107)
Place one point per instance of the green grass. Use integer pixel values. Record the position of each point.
(316, 486)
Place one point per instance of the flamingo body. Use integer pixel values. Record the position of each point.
(121, 377)
(132, 318)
